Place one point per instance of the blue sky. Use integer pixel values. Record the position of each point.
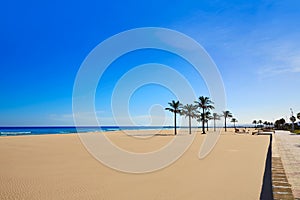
(255, 45)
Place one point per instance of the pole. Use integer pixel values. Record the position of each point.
(292, 113)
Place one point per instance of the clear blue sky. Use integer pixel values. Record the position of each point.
(255, 44)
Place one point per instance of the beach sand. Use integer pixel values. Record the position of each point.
(59, 167)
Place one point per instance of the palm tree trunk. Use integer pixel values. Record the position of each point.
(190, 126)
(214, 124)
(175, 122)
(234, 124)
(203, 121)
(207, 125)
(225, 125)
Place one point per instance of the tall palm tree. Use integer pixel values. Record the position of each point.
(189, 110)
(234, 120)
(226, 114)
(254, 122)
(215, 117)
(298, 115)
(205, 105)
(174, 108)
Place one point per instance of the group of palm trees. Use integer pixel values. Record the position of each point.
(199, 110)
(280, 123)
(261, 123)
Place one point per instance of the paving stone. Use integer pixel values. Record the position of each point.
(286, 160)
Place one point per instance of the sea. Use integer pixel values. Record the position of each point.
(15, 131)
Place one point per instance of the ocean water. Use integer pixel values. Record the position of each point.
(15, 131)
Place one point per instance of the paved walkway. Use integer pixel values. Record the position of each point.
(287, 146)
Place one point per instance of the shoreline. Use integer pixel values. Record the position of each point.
(59, 130)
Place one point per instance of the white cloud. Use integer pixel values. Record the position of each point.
(270, 71)
(282, 56)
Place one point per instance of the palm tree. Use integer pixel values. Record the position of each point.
(215, 117)
(260, 122)
(207, 118)
(266, 123)
(189, 110)
(234, 120)
(293, 119)
(226, 114)
(174, 108)
(298, 115)
(205, 104)
(204, 118)
(254, 122)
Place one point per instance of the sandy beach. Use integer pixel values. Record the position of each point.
(59, 167)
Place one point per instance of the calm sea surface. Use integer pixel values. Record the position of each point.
(14, 131)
